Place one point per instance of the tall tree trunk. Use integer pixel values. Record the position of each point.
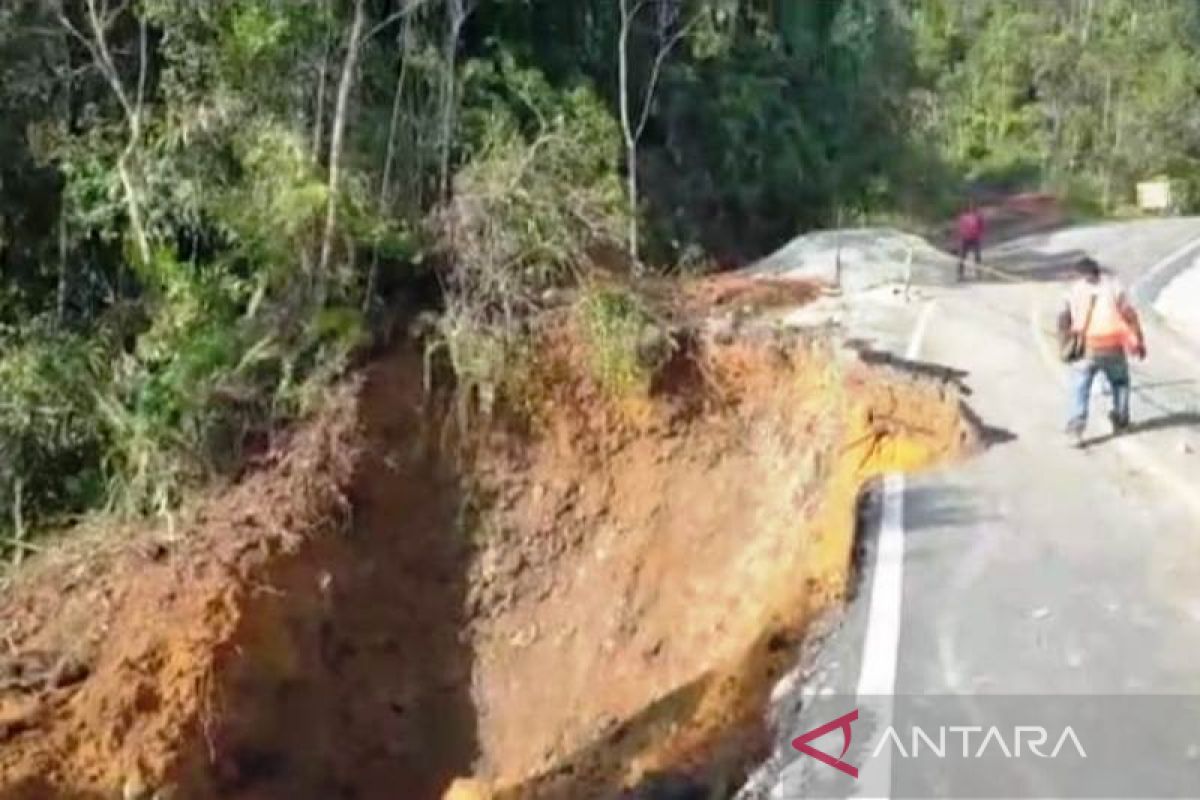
(459, 10)
(128, 166)
(628, 133)
(1118, 140)
(1105, 127)
(337, 137)
(631, 184)
(64, 278)
(130, 175)
(18, 521)
(133, 205)
(631, 129)
(64, 286)
(318, 124)
(385, 182)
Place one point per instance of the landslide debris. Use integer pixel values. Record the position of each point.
(586, 597)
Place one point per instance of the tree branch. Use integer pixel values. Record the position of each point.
(143, 59)
(337, 136)
(413, 7)
(656, 71)
(99, 47)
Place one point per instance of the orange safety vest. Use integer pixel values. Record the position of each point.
(1107, 326)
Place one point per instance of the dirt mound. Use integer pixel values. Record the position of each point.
(134, 627)
(744, 293)
(859, 259)
(564, 604)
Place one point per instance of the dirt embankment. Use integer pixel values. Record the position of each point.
(564, 607)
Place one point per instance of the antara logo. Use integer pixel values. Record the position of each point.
(844, 722)
(1029, 739)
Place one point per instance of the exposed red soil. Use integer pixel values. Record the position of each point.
(558, 605)
(143, 622)
(744, 293)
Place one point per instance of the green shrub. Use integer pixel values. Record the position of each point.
(51, 439)
(539, 194)
(534, 201)
(619, 331)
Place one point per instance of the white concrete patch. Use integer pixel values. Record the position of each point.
(860, 259)
(1152, 275)
(1179, 303)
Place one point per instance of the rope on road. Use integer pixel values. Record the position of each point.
(1012, 277)
(1002, 274)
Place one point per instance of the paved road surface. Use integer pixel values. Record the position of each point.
(1036, 582)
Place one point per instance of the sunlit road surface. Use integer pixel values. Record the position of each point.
(1038, 585)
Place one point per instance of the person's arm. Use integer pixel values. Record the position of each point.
(1130, 315)
(1064, 319)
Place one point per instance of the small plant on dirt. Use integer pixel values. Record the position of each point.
(625, 343)
(477, 353)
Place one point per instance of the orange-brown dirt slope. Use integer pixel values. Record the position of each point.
(559, 604)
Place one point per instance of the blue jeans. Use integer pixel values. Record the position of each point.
(1115, 367)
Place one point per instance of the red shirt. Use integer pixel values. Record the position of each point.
(970, 226)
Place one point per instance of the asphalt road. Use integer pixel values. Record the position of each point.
(1037, 586)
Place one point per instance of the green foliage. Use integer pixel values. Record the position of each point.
(201, 378)
(50, 436)
(541, 189)
(1085, 97)
(493, 163)
(538, 196)
(772, 124)
(273, 210)
(481, 355)
(619, 333)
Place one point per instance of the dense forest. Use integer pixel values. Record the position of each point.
(207, 208)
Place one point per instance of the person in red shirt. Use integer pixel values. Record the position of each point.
(970, 237)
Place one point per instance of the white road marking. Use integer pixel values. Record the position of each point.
(918, 337)
(1152, 273)
(1175, 347)
(881, 645)
(882, 642)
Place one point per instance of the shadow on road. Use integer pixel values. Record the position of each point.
(1184, 419)
(1168, 384)
(1025, 266)
(989, 435)
(918, 369)
(940, 507)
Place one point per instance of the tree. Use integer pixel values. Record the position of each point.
(337, 135)
(99, 22)
(633, 122)
(457, 13)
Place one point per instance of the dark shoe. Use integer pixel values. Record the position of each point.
(1119, 424)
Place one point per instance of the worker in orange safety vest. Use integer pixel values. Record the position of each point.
(1097, 310)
